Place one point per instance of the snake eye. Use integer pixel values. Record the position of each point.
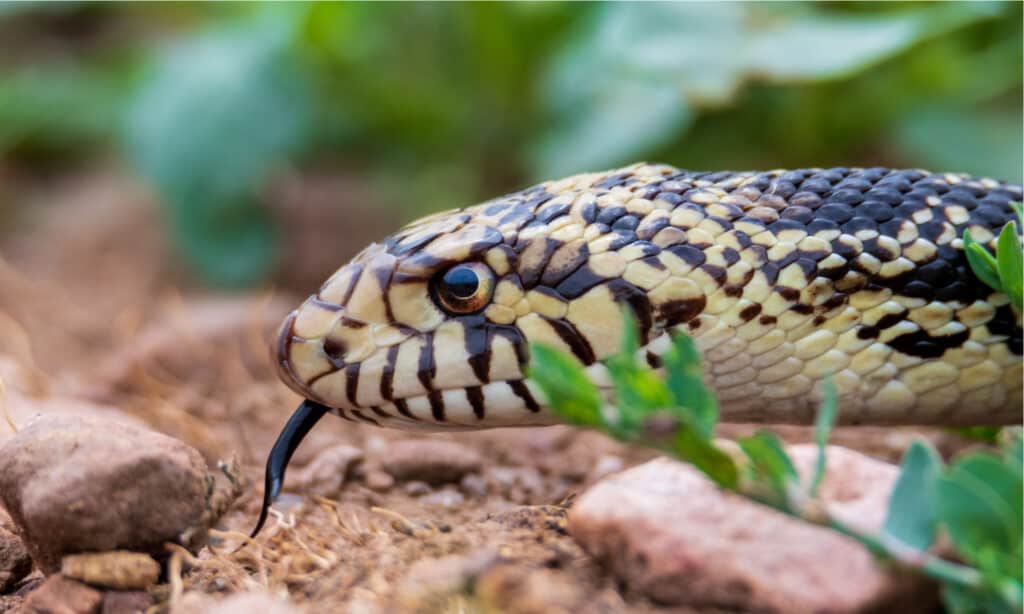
(464, 288)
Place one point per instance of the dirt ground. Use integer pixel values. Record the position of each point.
(95, 316)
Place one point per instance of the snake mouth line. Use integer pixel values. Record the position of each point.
(504, 403)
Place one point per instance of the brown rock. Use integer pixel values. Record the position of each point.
(519, 589)
(15, 563)
(379, 481)
(126, 602)
(117, 569)
(430, 460)
(60, 595)
(86, 484)
(327, 473)
(25, 409)
(671, 534)
(430, 584)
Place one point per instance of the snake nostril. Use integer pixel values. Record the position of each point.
(335, 349)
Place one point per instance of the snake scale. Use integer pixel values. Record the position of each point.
(780, 277)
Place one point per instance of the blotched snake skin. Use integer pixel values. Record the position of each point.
(781, 277)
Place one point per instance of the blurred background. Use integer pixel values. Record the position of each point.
(262, 144)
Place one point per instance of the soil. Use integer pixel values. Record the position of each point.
(94, 307)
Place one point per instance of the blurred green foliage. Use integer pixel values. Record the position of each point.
(440, 105)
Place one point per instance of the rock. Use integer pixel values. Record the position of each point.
(417, 489)
(239, 603)
(431, 461)
(126, 602)
(60, 595)
(520, 589)
(379, 481)
(669, 533)
(25, 409)
(87, 484)
(523, 485)
(15, 562)
(606, 465)
(474, 485)
(430, 584)
(446, 497)
(327, 473)
(117, 569)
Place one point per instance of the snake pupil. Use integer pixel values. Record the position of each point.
(461, 282)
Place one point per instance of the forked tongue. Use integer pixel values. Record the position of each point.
(304, 418)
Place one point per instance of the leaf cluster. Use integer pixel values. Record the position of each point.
(976, 500)
(1004, 271)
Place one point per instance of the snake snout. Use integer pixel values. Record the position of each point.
(281, 356)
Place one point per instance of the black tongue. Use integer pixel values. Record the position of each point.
(304, 418)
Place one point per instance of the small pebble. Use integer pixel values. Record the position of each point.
(118, 569)
(60, 595)
(606, 465)
(474, 485)
(417, 489)
(446, 497)
(126, 602)
(327, 473)
(431, 461)
(379, 481)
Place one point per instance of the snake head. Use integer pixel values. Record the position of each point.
(430, 328)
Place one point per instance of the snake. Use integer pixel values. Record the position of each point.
(781, 277)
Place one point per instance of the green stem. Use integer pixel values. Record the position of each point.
(901, 554)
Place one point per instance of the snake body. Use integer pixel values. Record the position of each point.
(781, 277)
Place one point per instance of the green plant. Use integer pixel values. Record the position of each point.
(976, 500)
(1003, 272)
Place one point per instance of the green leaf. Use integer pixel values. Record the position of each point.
(980, 504)
(983, 264)
(702, 454)
(1013, 448)
(1018, 208)
(1011, 267)
(217, 116)
(962, 600)
(771, 465)
(823, 424)
(912, 505)
(639, 391)
(685, 381)
(570, 393)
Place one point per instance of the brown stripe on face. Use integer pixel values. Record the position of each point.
(387, 374)
(380, 412)
(521, 391)
(478, 347)
(384, 275)
(403, 408)
(352, 381)
(475, 396)
(436, 405)
(427, 369)
(577, 343)
(338, 289)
